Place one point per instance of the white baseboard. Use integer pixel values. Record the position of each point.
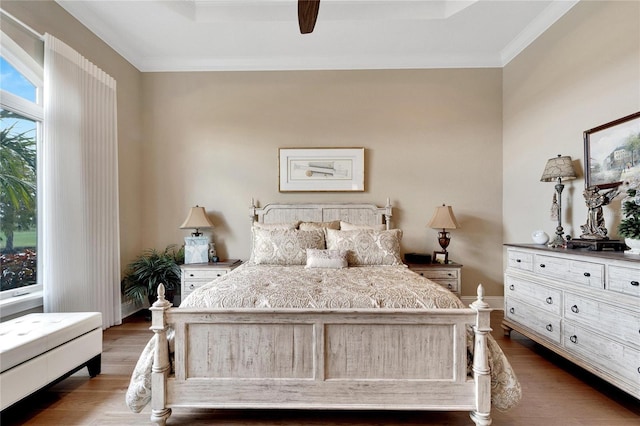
(129, 308)
(496, 302)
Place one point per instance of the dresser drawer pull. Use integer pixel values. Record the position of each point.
(512, 287)
(574, 339)
(512, 310)
(191, 286)
(575, 309)
(191, 275)
(449, 286)
(586, 274)
(450, 274)
(542, 265)
(549, 300)
(218, 275)
(549, 327)
(422, 273)
(518, 260)
(635, 283)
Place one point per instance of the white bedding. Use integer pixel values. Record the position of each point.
(273, 286)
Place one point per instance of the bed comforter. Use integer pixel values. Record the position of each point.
(271, 286)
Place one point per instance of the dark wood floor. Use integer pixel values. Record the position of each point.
(555, 393)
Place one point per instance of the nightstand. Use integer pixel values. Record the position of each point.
(196, 275)
(448, 275)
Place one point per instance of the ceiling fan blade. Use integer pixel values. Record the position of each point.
(307, 15)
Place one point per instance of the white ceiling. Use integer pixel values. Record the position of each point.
(201, 35)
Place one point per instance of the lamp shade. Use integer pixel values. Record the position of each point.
(443, 218)
(197, 219)
(558, 167)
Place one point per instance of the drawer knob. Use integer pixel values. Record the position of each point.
(575, 309)
(574, 339)
(450, 274)
(518, 260)
(512, 287)
(218, 275)
(449, 286)
(549, 300)
(191, 286)
(190, 275)
(422, 273)
(512, 310)
(549, 327)
(635, 283)
(542, 265)
(586, 274)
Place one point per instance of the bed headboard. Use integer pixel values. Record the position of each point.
(356, 213)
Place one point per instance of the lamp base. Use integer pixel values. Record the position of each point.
(444, 238)
(196, 250)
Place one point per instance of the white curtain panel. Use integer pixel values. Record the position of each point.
(80, 246)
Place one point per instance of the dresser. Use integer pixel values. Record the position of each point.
(448, 275)
(583, 305)
(195, 275)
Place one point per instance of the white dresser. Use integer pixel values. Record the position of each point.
(584, 305)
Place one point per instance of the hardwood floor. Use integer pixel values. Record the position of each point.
(556, 392)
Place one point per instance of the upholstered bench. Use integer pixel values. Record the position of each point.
(39, 349)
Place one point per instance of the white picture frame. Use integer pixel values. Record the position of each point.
(321, 169)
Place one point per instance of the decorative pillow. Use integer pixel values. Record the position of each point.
(367, 246)
(284, 246)
(346, 226)
(335, 259)
(288, 225)
(308, 226)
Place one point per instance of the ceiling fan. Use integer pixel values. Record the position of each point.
(307, 15)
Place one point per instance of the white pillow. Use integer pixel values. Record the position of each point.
(284, 246)
(367, 246)
(288, 225)
(307, 226)
(346, 226)
(335, 259)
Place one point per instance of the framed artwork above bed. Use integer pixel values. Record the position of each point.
(321, 169)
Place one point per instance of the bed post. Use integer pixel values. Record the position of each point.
(387, 214)
(159, 412)
(481, 374)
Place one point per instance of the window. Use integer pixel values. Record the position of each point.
(21, 115)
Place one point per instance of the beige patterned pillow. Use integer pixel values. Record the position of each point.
(346, 226)
(308, 226)
(367, 246)
(284, 246)
(335, 259)
(287, 225)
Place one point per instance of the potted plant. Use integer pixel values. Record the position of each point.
(147, 271)
(629, 227)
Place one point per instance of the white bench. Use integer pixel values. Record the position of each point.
(40, 349)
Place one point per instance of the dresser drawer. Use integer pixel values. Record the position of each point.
(607, 319)
(604, 353)
(624, 280)
(537, 295)
(576, 271)
(203, 274)
(520, 260)
(543, 323)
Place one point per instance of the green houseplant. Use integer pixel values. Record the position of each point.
(147, 271)
(629, 227)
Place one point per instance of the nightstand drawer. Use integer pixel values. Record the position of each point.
(203, 274)
(451, 285)
(438, 275)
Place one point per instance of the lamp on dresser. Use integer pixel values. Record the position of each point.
(196, 247)
(443, 218)
(556, 169)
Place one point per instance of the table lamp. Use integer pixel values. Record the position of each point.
(443, 218)
(196, 247)
(558, 168)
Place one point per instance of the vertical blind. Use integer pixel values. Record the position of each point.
(79, 191)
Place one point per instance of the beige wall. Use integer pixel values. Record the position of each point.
(583, 72)
(47, 16)
(431, 137)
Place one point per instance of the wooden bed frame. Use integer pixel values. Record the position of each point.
(359, 359)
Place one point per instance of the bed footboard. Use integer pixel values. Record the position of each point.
(321, 359)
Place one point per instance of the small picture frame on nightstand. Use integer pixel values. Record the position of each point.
(441, 257)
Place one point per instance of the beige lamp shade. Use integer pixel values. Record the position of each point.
(443, 218)
(558, 167)
(197, 219)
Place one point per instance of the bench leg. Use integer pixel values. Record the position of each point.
(94, 365)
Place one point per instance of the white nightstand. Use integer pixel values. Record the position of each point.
(196, 275)
(448, 275)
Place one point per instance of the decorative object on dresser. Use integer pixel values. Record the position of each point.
(443, 218)
(629, 227)
(321, 169)
(611, 152)
(196, 275)
(582, 305)
(447, 275)
(196, 247)
(540, 237)
(556, 169)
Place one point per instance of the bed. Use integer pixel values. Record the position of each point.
(324, 315)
